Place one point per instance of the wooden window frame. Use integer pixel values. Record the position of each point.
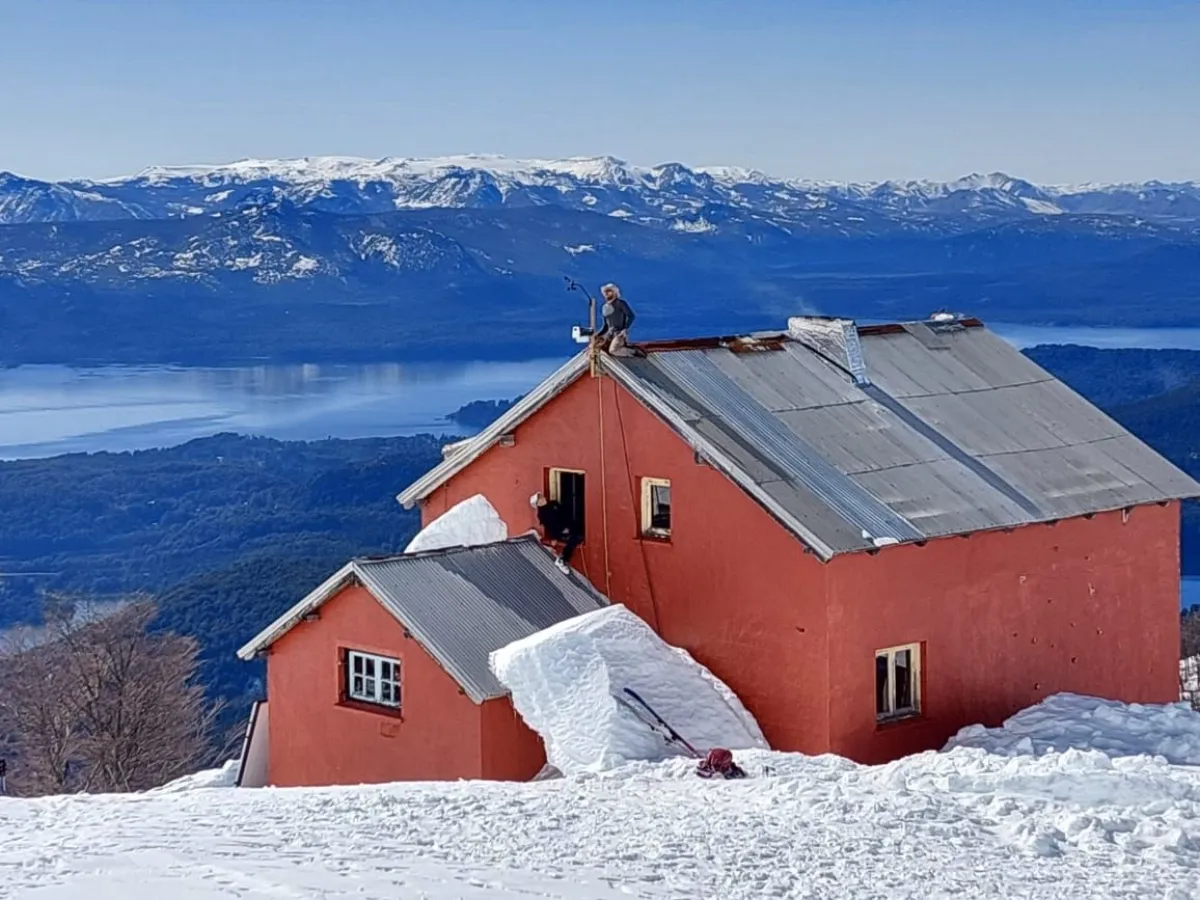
(647, 529)
(915, 677)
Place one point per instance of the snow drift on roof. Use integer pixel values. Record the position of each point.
(468, 523)
(565, 679)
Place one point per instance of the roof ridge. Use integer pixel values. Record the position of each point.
(441, 551)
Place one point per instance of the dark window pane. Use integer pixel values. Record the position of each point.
(358, 662)
(356, 687)
(881, 685)
(571, 494)
(660, 507)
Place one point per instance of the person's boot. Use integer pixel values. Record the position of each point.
(562, 566)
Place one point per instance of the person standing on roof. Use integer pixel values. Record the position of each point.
(618, 318)
(557, 525)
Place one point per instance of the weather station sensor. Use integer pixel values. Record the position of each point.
(582, 334)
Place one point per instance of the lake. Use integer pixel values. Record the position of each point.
(48, 410)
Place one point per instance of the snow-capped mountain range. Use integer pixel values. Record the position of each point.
(338, 259)
(670, 194)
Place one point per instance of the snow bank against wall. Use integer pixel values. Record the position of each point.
(565, 679)
(1071, 721)
(225, 776)
(468, 523)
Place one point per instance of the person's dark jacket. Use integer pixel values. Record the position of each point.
(618, 316)
(554, 518)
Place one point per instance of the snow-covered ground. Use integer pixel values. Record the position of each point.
(966, 823)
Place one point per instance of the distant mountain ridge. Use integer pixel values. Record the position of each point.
(349, 260)
(670, 192)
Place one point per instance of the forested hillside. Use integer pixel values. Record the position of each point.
(1112, 377)
(226, 531)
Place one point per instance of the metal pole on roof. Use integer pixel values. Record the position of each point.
(573, 285)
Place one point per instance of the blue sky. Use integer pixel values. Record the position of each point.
(1060, 90)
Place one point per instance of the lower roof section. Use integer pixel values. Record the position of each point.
(460, 603)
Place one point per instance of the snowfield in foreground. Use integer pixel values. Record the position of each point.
(962, 824)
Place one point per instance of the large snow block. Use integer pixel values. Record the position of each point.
(565, 681)
(468, 523)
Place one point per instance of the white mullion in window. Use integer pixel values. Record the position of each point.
(372, 679)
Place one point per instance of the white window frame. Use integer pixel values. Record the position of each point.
(368, 684)
(648, 486)
(891, 713)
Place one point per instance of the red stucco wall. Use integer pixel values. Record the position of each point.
(738, 592)
(795, 638)
(1007, 618)
(511, 750)
(315, 741)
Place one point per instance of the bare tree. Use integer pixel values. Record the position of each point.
(103, 703)
(35, 717)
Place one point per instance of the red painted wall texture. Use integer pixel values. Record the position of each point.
(1007, 618)
(1088, 605)
(735, 590)
(511, 751)
(441, 734)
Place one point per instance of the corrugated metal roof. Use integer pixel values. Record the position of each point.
(952, 430)
(460, 604)
(743, 420)
(957, 431)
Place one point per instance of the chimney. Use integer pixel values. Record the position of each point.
(835, 339)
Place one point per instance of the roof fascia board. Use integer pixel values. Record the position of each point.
(526, 407)
(725, 465)
(292, 617)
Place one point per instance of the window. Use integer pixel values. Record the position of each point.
(372, 679)
(567, 487)
(656, 507)
(898, 682)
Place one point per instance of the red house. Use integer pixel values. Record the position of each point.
(381, 673)
(874, 535)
